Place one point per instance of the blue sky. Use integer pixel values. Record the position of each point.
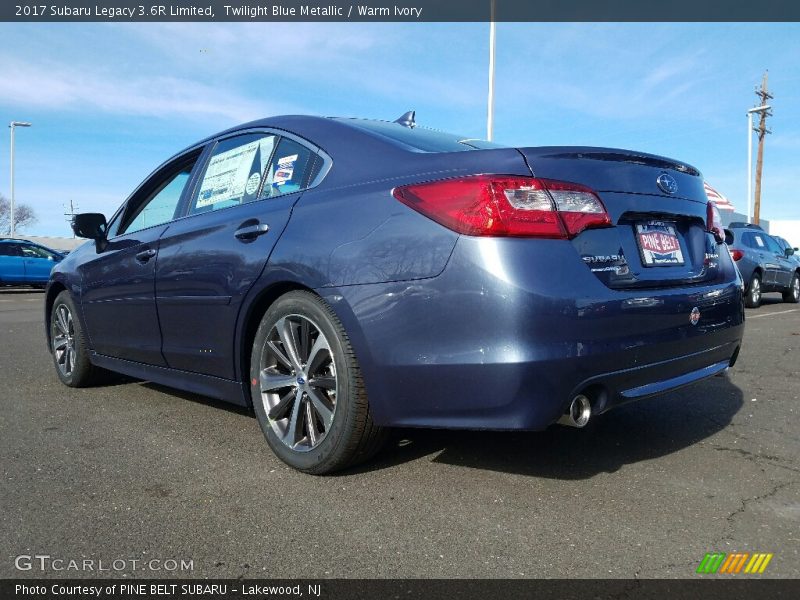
(110, 101)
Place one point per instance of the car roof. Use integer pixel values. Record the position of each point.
(319, 130)
(750, 226)
(341, 138)
(8, 240)
(338, 133)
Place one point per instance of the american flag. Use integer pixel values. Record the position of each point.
(721, 201)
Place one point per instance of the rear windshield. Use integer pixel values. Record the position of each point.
(422, 138)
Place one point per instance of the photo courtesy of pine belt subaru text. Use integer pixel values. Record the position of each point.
(345, 276)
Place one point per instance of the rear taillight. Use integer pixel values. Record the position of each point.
(736, 254)
(507, 205)
(714, 222)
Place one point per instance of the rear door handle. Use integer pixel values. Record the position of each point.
(145, 255)
(251, 232)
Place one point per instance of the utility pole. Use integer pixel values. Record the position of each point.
(762, 131)
(70, 214)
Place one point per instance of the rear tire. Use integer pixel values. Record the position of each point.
(307, 389)
(753, 298)
(793, 293)
(69, 346)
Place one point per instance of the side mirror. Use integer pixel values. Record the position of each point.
(728, 237)
(789, 251)
(90, 225)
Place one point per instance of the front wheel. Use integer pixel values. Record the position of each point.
(307, 389)
(69, 346)
(753, 298)
(793, 293)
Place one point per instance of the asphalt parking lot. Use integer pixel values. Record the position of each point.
(137, 471)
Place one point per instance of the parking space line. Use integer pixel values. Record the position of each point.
(780, 312)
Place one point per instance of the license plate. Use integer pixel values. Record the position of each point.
(659, 244)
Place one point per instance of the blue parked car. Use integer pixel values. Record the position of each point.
(26, 263)
(765, 264)
(343, 276)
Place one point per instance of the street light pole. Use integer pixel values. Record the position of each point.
(750, 156)
(490, 107)
(14, 125)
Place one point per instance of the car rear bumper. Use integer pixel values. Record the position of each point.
(511, 331)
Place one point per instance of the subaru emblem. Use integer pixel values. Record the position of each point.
(667, 183)
(694, 316)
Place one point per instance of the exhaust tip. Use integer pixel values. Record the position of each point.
(578, 413)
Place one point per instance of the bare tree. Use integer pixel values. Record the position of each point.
(24, 215)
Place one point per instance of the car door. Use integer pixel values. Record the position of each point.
(210, 259)
(118, 294)
(783, 265)
(38, 263)
(758, 242)
(12, 265)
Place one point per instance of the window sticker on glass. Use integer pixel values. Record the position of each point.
(252, 183)
(285, 169)
(234, 175)
(759, 241)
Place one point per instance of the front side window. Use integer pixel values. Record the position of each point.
(234, 173)
(772, 245)
(161, 205)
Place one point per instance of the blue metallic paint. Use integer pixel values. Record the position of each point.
(203, 274)
(117, 300)
(450, 331)
(509, 348)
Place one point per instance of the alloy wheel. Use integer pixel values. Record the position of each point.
(796, 288)
(298, 383)
(63, 335)
(755, 290)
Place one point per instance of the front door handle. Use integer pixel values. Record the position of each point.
(250, 232)
(145, 255)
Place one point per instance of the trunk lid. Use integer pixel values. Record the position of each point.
(657, 208)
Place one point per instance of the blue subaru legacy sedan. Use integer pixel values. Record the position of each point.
(344, 276)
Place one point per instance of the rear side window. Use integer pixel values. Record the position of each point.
(10, 250)
(289, 169)
(235, 173)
